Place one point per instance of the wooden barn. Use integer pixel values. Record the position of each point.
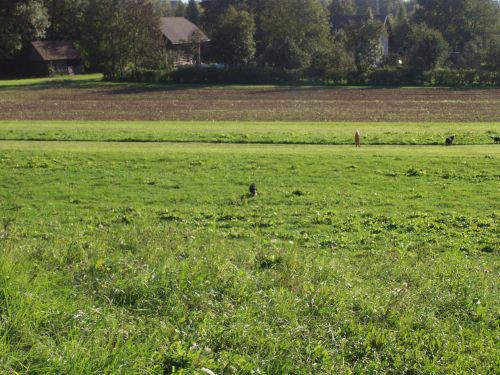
(53, 58)
(183, 40)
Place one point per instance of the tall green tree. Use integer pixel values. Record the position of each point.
(213, 9)
(493, 55)
(460, 21)
(364, 42)
(180, 9)
(21, 21)
(342, 8)
(162, 8)
(383, 7)
(400, 30)
(122, 35)
(233, 37)
(333, 63)
(427, 48)
(67, 19)
(193, 12)
(293, 31)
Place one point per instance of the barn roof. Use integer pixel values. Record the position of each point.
(339, 22)
(179, 30)
(51, 51)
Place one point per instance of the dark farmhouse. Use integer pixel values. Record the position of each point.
(342, 22)
(52, 58)
(183, 40)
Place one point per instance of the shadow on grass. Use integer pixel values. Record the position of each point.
(40, 84)
(132, 88)
(326, 87)
(108, 87)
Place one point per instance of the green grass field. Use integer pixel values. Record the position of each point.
(133, 247)
(75, 79)
(250, 132)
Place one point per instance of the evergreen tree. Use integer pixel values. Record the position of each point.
(213, 9)
(162, 8)
(400, 30)
(364, 43)
(180, 9)
(342, 8)
(193, 12)
(382, 7)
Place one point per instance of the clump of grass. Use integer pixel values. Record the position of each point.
(415, 172)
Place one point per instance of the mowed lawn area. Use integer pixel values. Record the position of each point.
(134, 247)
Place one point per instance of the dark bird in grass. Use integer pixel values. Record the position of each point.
(449, 140)
(496, 139)
(253, 189)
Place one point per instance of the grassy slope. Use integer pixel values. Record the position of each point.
(145, 257)
(149, 258)
(73, 79)
(97, 77)
(249, 132)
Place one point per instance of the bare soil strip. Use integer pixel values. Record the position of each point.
(121, 102)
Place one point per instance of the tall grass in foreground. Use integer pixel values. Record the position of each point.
(143, 259)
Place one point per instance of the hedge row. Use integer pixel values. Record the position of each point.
(257, 75)
(440, 77)
(235, 75)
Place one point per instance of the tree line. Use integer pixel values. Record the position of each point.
(120, 36)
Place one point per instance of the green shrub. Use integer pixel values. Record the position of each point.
(235, 75)
(254, 75)
(142, 75)
(464, 77)
(390, 77)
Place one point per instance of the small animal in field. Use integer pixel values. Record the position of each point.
(448, 141)
(496, 139)
(357, 138)
(252, 189)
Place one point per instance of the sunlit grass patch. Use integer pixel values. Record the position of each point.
(145, 256)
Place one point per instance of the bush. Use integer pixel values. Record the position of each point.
(489, 78)
(253, 75)
(142, 75)
(390, 77)
(464, 77)
(234, 75)
(440, 77)
(427, 48)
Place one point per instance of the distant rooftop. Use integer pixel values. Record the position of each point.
(52, 51)
(179, 30)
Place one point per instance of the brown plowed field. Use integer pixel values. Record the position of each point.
(120, 102)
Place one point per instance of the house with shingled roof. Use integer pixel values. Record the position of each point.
(183, 40)
(52, 58)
